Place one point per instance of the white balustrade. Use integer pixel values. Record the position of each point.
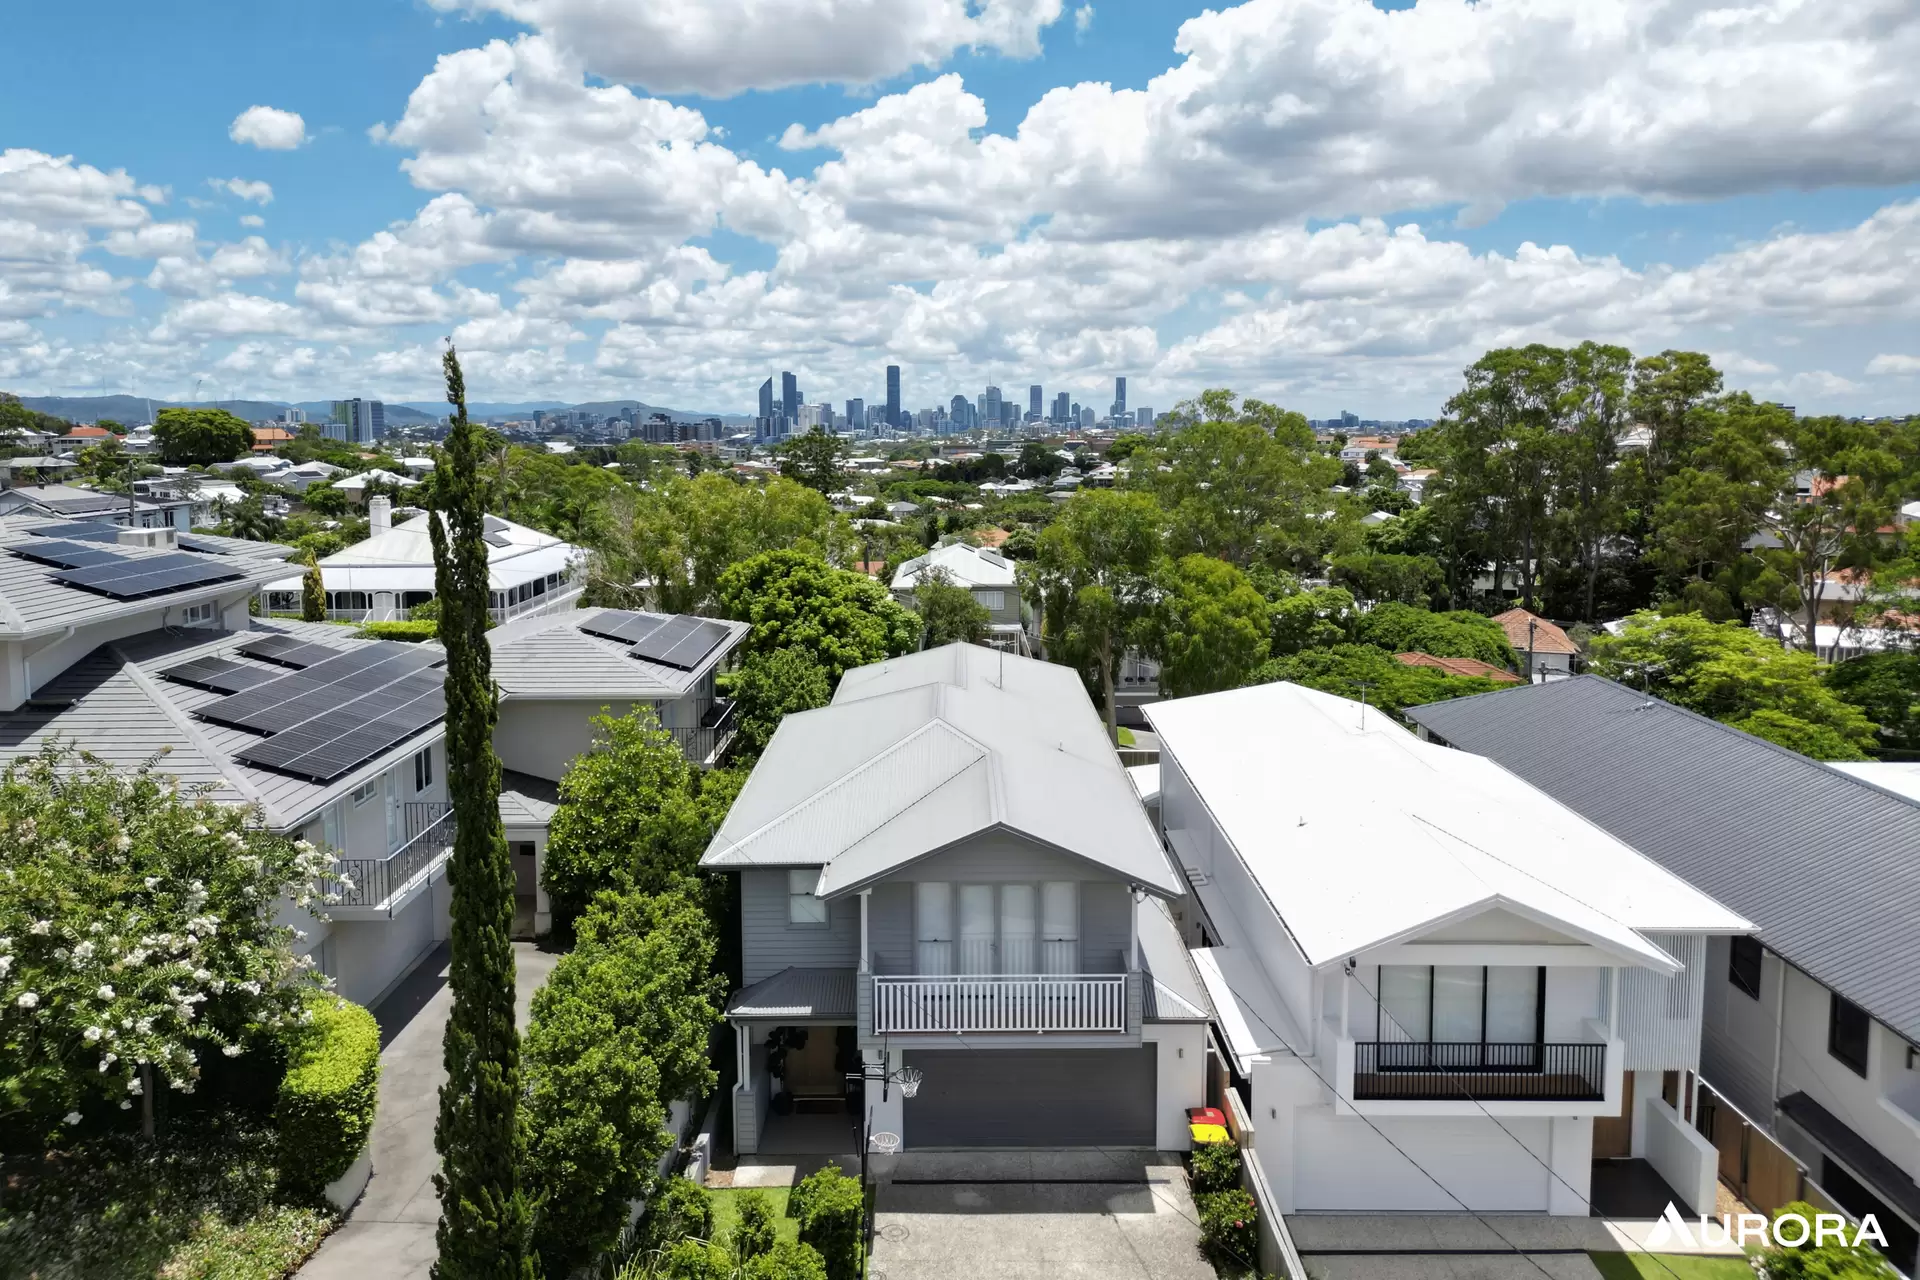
(999, 1002)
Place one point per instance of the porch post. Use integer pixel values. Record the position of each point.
(743, 1049)
(1346, 1003)
(865, 962)
(1133, 929)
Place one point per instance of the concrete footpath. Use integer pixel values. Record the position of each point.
(389, 1234)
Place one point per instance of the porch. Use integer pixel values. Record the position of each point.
(374, 888)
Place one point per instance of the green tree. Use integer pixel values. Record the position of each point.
(1126, 444)
(1370, 675)
(249, 519)
(485, 1219)
(1590, 413)
(1239, 481)
(1374, 576)
(1399, 628)
(106, 461)
(1208, 627)
(619, 1031)
(948, 612)
(754, 1234)
(325, 499)
(1037, 462)
(773, 686)
(1817, 1261)
(1711, 504)
(1735, 675)
(1886, 688)
(627, 820)
(200, 436)
(313, 592)
(813, 459)
(840, 618)
(1094, 578)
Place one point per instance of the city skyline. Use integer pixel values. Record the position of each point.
(623, 208)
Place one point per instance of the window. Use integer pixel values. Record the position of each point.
(423, 770)
(1461, 1004)
(330, 827)
(1849, 1031)
(1743, 966)
(194, 614)
(803, 907)
(1060, 927)
(933, 927)
(365, 792)
(995, 600)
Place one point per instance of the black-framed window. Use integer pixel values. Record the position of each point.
(1743, 966)
(1849, 1032)
(423, 769)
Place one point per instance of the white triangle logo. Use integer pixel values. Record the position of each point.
(1670, 1227)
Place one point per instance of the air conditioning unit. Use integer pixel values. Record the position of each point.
(153, 539)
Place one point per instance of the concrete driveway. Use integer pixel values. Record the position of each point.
(1097, 1215)
(390, 1233)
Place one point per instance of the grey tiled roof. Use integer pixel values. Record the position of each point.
(1827, 865)
(527, 801)
(797, 993)
(548, 656)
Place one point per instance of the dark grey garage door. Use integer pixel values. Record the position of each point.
(1032, 1098)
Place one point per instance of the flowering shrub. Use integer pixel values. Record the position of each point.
(1229, 1229)
(136, 931)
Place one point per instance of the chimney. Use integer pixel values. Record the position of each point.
(379, 515)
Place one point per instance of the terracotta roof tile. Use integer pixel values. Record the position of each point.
(1547, 638)
(1459, 666)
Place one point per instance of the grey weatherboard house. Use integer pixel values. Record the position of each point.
(947, 869)
(1811, 1028)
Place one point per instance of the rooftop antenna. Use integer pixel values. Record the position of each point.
(1363, 686)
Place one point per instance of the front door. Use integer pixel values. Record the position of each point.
(1613, 1135)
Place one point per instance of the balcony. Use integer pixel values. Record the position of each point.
(1410, 1071)
(373, 887)
(1001, 1003)
(707, 742)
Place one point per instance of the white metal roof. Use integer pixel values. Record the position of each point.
(1902, 777)
(401, 559)
(967, 565)
(1361, 835)
(918, 753)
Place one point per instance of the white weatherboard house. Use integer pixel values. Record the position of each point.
(1425, 970)
(946, 869)
(384, 575)
(986, 574)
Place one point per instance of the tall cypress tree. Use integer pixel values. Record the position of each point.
(485, 1222)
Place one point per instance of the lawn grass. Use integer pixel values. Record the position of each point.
(1671, 1266)
(1125, 735)
(726, 1210)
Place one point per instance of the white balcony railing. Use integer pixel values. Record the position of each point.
(1000, 1002)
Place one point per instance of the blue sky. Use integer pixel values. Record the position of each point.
(606, 207)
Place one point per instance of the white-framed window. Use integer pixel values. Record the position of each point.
(194, 614)
(803, 907)
(330, 827)
(995, 600)
(1060, 926)
(365, 792)
(423, 770)
(933, 927)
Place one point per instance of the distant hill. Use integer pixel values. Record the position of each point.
(133, 410)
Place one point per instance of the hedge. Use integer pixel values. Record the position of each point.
(1229, 1230)
(832, 1210)
(787, 1261)
(1216, 1167)
(327, 1097)
(410, 631)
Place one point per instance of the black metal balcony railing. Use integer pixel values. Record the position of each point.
(374, 882)
(1528, 1072)
(707, 742)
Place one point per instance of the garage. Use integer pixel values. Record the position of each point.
(1032, 1098)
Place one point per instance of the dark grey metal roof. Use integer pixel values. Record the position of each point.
(1882, 1174)
(1827, 865)
(797, 993)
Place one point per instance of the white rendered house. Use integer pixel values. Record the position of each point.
(1431, 979)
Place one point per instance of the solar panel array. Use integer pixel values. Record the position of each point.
(128, 578)
(338, 712)
(681, 641)
(285, 651)
(219, 675)
(63, 554)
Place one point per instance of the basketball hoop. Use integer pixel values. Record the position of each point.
(883, 1143)
(908, 1079)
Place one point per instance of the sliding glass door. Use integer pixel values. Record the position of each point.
(1461, 1017)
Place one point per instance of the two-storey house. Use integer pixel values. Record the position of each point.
(1431, 978)
(946, 871)
(986, 574)
(1811, 1026)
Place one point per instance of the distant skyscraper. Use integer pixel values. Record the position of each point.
(358, 421)
(1119, 397)
(1034, 398)
(1086, 416)
(856, 414)
(992, 408)
(789, 400)
(959, 412)
(766, 398)
(893, 396)
(1143, 416)
(1348, 421)
(1061, 408)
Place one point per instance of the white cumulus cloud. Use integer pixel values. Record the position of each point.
(268, 128)
(1894, 364)
(251, 190)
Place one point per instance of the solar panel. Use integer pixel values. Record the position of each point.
(188, 542)
(607, 624)
(320, 689)
(219, 675)
(655, 645)
(129, 578)
(79, 531)
(67, 555)
(287, 651)
(691, 651)
(328, 745)
(497, 539)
